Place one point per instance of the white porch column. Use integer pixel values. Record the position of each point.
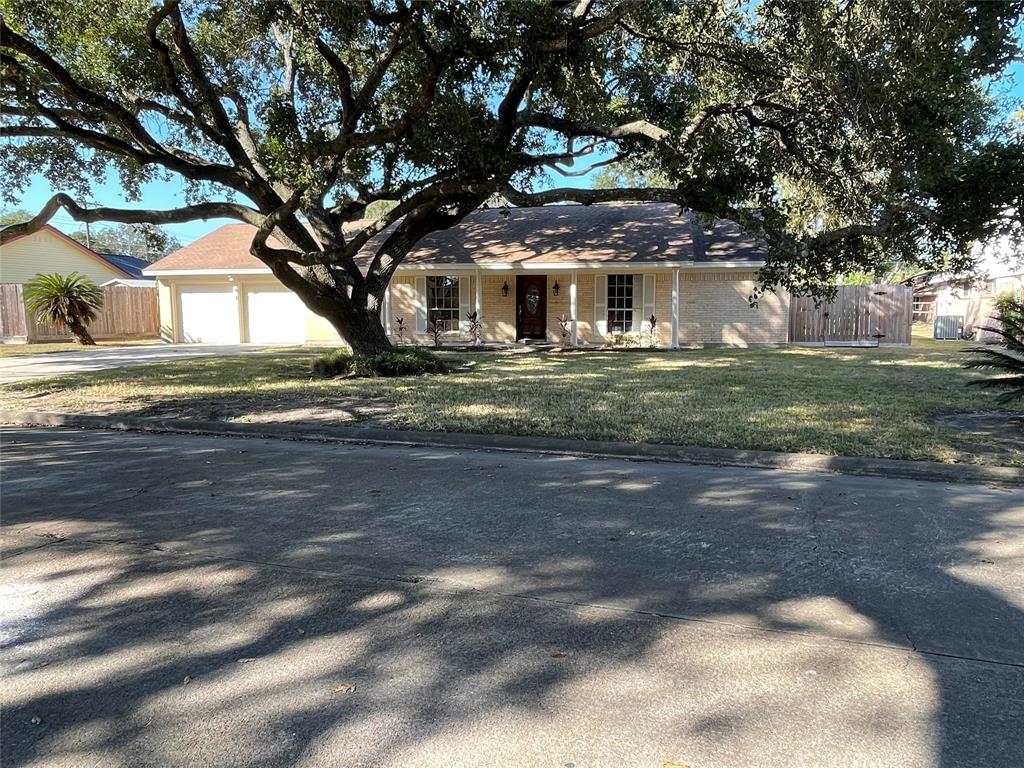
(675, 309)
(572, 306)
(387, 310)
(478, 304)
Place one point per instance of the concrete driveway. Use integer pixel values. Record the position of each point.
(61, 363)
(182, 601)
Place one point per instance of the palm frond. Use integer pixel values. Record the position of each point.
(1013, 336)
(63, 300)
(1007, 357)
(996, 359)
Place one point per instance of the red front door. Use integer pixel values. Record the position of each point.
(531, 306)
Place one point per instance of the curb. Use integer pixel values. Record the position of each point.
(720, 457)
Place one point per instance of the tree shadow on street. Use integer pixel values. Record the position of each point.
(175, 600)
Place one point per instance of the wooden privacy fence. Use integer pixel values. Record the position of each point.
(12, 312)
(860, 316)
(128, 313)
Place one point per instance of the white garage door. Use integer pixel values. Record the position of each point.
(209, 313)
(276, 317)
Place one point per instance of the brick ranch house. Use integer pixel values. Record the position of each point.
(607, 268)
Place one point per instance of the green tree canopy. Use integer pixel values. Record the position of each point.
(627, 174)
(14, 216)
(842, 133)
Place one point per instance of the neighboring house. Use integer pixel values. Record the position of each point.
(48, 250)
(606, 268)
(126, 314)
(955, 308)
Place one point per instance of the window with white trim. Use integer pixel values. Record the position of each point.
(443, 301)
(620, 303)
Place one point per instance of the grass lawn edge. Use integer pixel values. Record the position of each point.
(833, 402)
(658, 452)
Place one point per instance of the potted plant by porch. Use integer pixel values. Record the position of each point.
(65, 301)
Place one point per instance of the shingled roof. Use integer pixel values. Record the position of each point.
(133, 265)
(623, 233)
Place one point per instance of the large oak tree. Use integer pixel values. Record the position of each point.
(842, 133)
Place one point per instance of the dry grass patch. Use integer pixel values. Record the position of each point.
(873, 402)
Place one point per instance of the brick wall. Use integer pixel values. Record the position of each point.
(714, 309)
(499, 312)
(403, 305)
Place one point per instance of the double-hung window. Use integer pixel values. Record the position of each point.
(443, 302)
(620, 303)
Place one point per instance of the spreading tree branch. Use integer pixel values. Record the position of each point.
(201, 211)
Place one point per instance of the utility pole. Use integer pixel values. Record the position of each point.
(88, 237)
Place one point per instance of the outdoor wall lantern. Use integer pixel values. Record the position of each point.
(504, 288)
(555, 288)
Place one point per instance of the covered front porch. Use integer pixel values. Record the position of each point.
(575, 307)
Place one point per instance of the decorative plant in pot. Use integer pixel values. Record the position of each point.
(563, 328)
(436, 330)
(475, 327)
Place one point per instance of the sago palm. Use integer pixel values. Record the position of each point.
(65, 301)
(1006, 357)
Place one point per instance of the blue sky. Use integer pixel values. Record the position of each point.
(170, 195)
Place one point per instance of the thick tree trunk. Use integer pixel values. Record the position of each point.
(363, 332)
(81, 334)
(359, 326)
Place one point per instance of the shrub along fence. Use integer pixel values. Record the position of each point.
(860, 316)
(128, 313)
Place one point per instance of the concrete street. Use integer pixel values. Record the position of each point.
(15, 368)
(198, 601)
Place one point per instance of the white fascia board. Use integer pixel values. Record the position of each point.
(558, 266)
(206, 272)
(720, 265)
(564, 266)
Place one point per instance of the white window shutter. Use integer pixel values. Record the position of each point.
(464, 304)
(638, 303)
(421, 305)
(649, 286)
(601, 304)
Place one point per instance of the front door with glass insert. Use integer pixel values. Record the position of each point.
(531, 306)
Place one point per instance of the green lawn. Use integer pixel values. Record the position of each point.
(876, 402)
